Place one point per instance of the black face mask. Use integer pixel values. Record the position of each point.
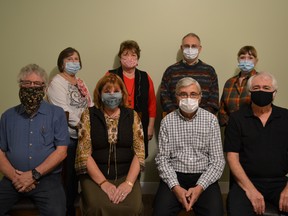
(261, 98)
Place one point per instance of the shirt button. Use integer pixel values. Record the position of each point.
(30, 144)
(31, 132)
(30, 157)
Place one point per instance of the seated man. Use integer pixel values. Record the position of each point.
(190, 158)
(33, 143)
(256, 142)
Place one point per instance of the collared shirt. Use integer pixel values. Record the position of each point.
(263, 150)
(234, 96)
(202, 72)
(26, 141)
(190, 146)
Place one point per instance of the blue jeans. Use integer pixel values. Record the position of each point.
(48, 196)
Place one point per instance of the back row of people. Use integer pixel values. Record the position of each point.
(116, 170)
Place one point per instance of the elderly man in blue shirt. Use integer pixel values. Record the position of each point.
(33, 143)
(190, 158)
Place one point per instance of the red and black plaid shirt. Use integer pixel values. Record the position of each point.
(233, 97)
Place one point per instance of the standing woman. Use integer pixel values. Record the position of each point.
(139, 86)
(71, 93)
(235, 94)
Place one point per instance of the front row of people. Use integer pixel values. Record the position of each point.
(111, 153)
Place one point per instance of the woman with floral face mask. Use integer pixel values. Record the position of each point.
(234, 92)
(71, 93)
(110, 153)
(139, 86)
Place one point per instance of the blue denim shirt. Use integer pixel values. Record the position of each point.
(27, 141)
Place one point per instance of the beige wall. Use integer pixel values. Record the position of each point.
(34, 31)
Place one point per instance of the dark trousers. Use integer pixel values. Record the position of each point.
(70, 177)
(238, 203)
(209, 203)
(48, 196)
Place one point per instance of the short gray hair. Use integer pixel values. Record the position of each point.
(32, 69)
(187, 81)
(265, 75)
(191, 34)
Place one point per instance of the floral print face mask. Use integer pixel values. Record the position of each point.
(31, 98)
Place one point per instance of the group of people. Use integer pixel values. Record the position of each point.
(102, 141)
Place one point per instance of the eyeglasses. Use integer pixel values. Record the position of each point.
(28, 83)
(186, 95)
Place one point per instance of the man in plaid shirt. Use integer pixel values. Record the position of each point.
(190, 157)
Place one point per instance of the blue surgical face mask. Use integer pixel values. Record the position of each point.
(112, 100)
(72, 67)
(246, 66)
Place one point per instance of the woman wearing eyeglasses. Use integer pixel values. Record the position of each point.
(71, 93)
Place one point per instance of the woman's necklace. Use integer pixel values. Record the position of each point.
(112, 114)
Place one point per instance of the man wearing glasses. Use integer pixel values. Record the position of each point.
(190, 157)
(190, 66)
(33, 143)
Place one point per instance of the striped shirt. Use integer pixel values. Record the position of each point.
(190, 146)
(202, 72)
(233, 97)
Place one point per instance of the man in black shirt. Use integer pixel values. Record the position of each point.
(256, 142)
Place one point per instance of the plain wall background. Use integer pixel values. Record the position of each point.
(35, 31)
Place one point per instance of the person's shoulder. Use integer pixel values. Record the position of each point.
(205, 113)
(48, 106)
(170, 116)
(126, 110)
(175, 65)
(244, 110)
(11, 110)
(232, 79)
(280, 110)
(141, 71)
(206, 65)
(57, 80)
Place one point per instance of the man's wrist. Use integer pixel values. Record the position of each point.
(175, 188)
(36, 175)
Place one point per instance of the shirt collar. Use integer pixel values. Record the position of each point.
(248, 75)
(185, 118)
(43, 109)
(274, 114)
(185, 62)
